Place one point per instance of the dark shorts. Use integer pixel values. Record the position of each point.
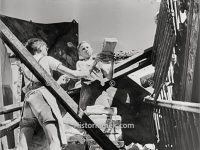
(36, 111)
(89, 94)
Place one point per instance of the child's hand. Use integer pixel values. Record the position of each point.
(105, 56)
(63, 79)
(85, 73)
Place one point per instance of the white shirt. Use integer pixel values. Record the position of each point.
(96, 74)
(47, 62)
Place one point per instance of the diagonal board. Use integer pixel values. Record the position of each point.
(68, 103)
(145, 54)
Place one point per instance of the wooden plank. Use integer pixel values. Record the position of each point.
(178, 129)
(191, 49)
(133, 67)
(17, 91)
(192, 52)
(161, 58)
(146, 54)
(172, 127)
(196, 129)
(9, 127)
(177, 138)
(178, 105)
(11, 108)
(162, 28)
(181, 131)
(157, 124)
(168, 57)
(100, 110)
(186, 143)
(161, 71)
(163, 46)
(189, 128)
(186, 53)
(196, 85)
(168, 128)
(68, 103)
(162, 128)
(159, 31)
(148, 108)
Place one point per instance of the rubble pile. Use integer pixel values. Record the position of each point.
(121, 55)
(108, 121)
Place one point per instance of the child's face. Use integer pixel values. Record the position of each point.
(44, 50)
(85, 50)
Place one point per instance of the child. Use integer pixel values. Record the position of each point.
(92, 86)
(40, 106)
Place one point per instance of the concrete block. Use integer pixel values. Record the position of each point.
(99, 110)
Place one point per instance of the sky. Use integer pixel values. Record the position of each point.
(130, 21)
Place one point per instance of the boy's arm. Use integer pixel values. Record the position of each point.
(107, 57)
(74, 74)
(57, 66)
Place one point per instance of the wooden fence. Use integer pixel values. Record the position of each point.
(177, 124)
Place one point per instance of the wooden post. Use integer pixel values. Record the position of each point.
(68, 103)
(196, 84)
(191, 50)
(17, 91)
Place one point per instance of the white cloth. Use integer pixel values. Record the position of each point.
(47, 62)
(96, 74)
(54, 106)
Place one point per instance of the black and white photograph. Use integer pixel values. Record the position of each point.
(99, 74)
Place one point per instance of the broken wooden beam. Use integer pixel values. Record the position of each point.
(68, 103)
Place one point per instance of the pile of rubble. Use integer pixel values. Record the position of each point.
(121, 55)
(108, 121)
(137, 146)
(105, 118)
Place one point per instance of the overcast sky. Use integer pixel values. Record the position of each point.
(130, 21)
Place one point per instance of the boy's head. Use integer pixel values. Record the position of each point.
(85, 50)
(36, 46)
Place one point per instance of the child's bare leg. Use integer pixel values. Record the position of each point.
(25, 138)
(51, 132)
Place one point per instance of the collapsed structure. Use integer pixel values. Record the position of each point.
(169, 117)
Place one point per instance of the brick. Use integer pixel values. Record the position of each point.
(99, 110)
